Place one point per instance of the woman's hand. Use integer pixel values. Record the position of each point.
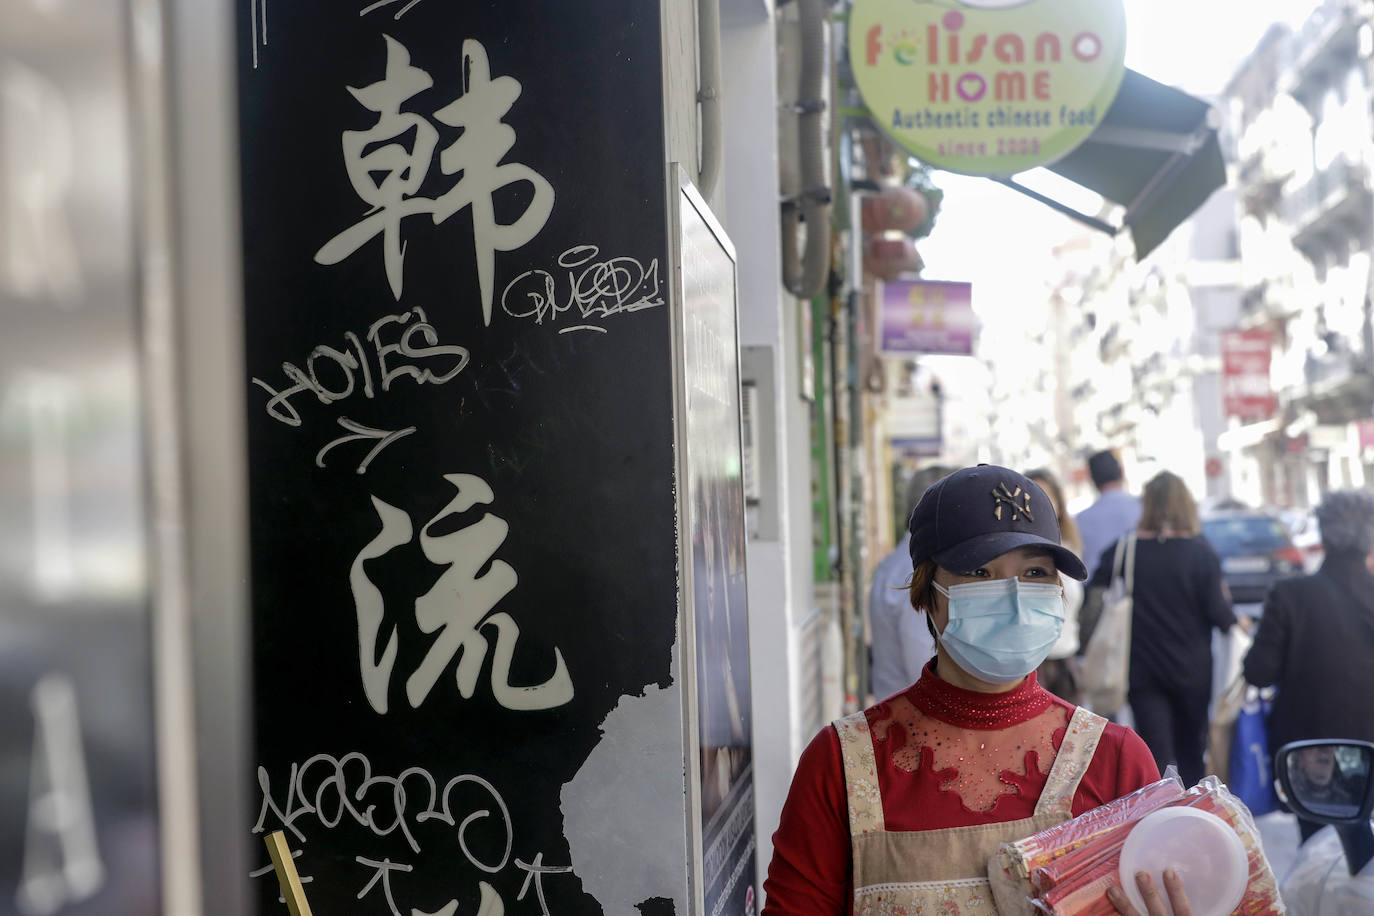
(1154, 903)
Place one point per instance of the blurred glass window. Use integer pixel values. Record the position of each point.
(1235, 535)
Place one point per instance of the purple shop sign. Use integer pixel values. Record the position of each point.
(928, 316)
(917, 446)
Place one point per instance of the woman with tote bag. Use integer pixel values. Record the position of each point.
(1176, 598)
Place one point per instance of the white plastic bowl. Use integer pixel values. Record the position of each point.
(1201, 847)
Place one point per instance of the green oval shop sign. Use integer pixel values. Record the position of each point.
(988, 87)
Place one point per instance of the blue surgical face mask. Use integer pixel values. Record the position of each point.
(1000, 630)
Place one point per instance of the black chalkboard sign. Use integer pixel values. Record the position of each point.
(464, 563)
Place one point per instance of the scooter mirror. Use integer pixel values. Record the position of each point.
(1329, 782)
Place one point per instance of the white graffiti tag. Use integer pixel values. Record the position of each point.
(326, 793)
(455, 609)
(389, 162)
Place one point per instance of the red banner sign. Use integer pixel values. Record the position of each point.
(1245, 387)
(1365, 428)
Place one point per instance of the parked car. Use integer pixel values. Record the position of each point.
(1303, 529)
(1255, 550)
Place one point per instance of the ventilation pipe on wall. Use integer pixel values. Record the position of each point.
(708, 95)
(805, 266)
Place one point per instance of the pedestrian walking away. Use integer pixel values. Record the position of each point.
(899, 806)
(1115, 512)
(1316, 636)
(1178, 599)
(901, 640)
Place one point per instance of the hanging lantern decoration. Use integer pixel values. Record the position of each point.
(895, 207)
(887, 256)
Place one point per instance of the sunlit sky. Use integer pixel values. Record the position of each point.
(996, 237)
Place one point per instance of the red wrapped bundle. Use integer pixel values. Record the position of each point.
(1087, 892)
(1086, 858)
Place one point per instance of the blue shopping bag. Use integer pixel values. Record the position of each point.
(1252, 771)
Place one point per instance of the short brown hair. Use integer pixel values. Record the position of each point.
(921, 588)
(922, 592)
(1166, 505)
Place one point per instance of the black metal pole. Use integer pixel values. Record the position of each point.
(1358, 842)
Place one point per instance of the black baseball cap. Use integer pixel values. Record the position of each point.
(977, 514)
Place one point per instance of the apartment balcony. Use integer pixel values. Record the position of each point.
(1260, 159)
(1273, 296)
(1327, 46)
(1328, 370)
(1262, 196)
(1337, 387)
(1331, 206)
(1254, 299)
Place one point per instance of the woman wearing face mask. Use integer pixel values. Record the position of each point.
(901, 805)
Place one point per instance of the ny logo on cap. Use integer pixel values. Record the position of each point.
(1002, 496)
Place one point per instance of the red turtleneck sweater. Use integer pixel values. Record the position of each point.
(947, 757)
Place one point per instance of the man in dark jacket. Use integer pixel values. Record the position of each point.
(1316, 638)
(901, 639)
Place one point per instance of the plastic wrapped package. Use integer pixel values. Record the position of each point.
(1067, 869)
(1047, 846)
(1262, 892)
(1049, 857)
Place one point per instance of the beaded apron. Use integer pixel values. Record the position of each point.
(944, 872)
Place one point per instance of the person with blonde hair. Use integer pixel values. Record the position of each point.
(1178, 597)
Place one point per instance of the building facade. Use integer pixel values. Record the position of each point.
(1300, 110)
